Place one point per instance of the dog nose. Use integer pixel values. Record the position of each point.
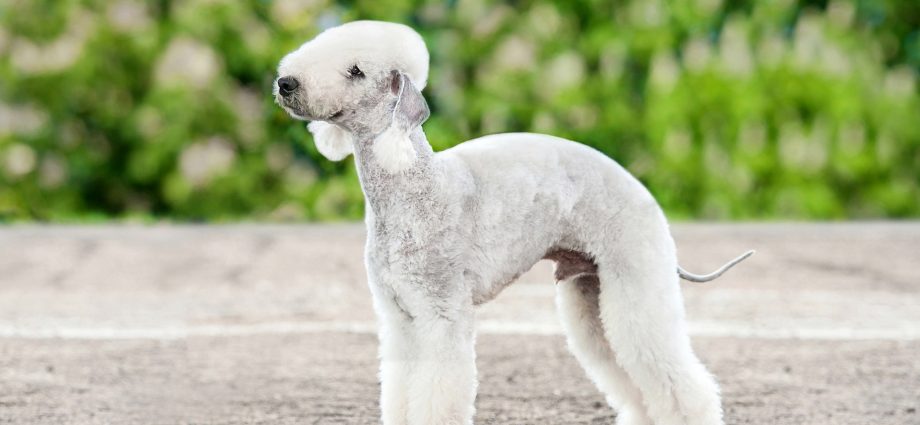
(287, 85)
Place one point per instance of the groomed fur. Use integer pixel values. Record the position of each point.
(393, 150)
(332, 141)
(448, 231)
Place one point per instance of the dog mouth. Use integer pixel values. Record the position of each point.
(295, 113)
(297, 110)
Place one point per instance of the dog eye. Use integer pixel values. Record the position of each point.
(354, 71)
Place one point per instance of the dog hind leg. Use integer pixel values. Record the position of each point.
(643, 317)
(577, 304)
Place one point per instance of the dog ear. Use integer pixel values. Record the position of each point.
(411, 108)
(393, 147)
(332, 141)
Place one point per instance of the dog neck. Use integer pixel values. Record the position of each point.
(399, 192)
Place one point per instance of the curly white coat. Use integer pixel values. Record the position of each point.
(448, 231)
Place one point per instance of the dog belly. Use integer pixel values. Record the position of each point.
(487, 286)
(570, 263)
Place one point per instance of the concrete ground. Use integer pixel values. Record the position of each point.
(273, 324)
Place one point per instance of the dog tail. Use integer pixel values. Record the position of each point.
(707, 277)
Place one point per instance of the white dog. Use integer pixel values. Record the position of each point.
(448, 231)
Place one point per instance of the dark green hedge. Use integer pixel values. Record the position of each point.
(726, 110)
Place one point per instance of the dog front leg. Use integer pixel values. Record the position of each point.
(442, 382)
(395, 329)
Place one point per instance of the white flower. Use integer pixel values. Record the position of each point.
(808, 41)
(678, 143)
(187, 62)
(255, 35)
(128, 15)
(665, 71)
(734, 49)
(648, 13)
(22, 119)
(841, 13)
(515, 53)
(564, 71)
(900, 82)
(204, 160)
(697, 53)
(545, 21)
(490, 23)
(852, 139)
(752, 137)
(299, 176)
(19, 160)
(31, 58)
(612, 60)
(296, 14)
(278, 157)
(52, 172)
(771, 48)
(247, 105)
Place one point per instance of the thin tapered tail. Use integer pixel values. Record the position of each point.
(707, 277)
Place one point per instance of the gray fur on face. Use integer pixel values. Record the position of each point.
(395, 101)
(364, 108)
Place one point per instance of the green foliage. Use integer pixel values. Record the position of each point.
(738, 110)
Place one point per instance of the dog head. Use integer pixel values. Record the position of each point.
(362, 78)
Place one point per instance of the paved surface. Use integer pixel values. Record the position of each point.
(272, 324)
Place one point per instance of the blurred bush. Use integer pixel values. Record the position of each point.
(162, 109)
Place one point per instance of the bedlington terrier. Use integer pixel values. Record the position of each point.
(448, 231)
